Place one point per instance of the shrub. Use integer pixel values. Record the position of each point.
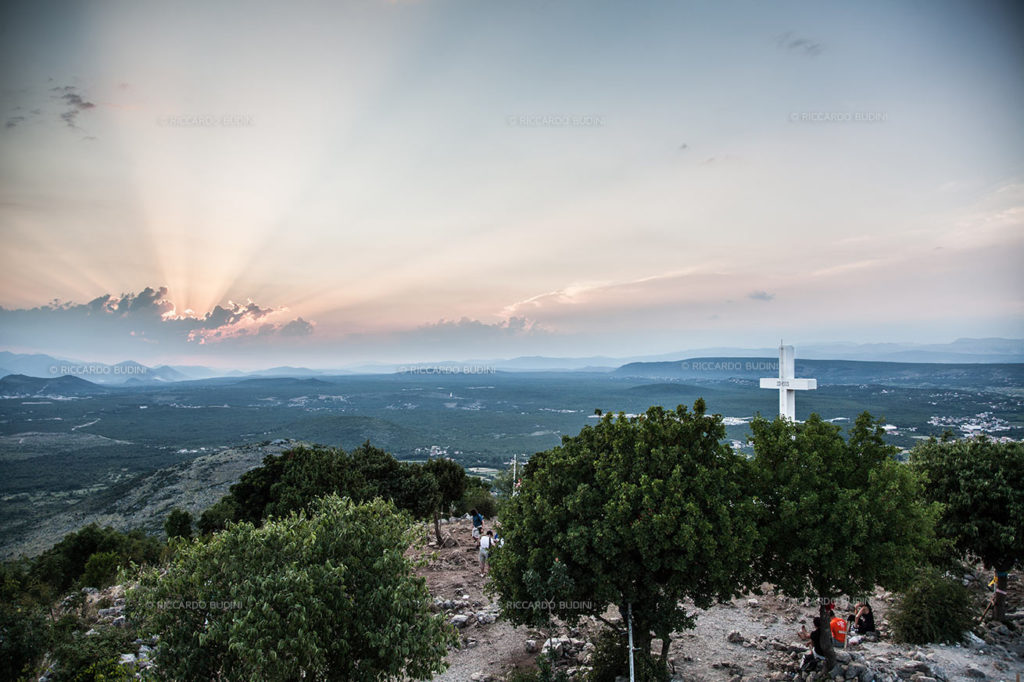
(23, 639)
(178, 524)
(934, 609)
(610, 656)
(479, 497)
(81, 658)
(100, 569)
(327, 594)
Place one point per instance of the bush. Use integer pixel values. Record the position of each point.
(101, 569)
(81, 658)
(934, 609)
(327, 594)
(61, 566)
(610, 656)
(23, 639)
(478, 496)
(178, 524)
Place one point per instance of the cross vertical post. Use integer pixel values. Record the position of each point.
(787, 384)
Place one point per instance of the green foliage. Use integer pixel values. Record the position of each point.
(101, 569)
(935, 608)
(89, 658)
(547, 673)
(327, 594)
(23, 638)
(295, 479)
(451, 481)
(64, 564)
(611, 656)
(218, 516)
(651, 510)
(478, 496)
(178, 524)
(836, 516)
(980, 484)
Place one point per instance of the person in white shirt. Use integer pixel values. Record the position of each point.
(486, 542)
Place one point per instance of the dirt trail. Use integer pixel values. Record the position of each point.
(750, 639)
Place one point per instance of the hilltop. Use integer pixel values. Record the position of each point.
(752, 638)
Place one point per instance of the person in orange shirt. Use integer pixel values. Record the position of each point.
(838, 627)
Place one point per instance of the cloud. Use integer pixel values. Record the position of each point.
(760, 295)
(297, 327)
(794, 43)
(123, 322)
(75, 104)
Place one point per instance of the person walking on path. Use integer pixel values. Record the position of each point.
(486, 542)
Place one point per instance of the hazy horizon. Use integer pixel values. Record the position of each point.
(380, 182)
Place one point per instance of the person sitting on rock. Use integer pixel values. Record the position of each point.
(813, 638)
(838, 628)
(863, 618)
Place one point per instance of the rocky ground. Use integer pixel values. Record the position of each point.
(750, 639)
(145, 501)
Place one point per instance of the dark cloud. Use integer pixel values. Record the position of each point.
(149, 316)
(297, 327)
(791, 41)
(75, 104)
(760, 296)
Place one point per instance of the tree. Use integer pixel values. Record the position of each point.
(101, 569)
(295, 479)
(640, 513)
(178, 524)
(981, 486)
(64, 563)
(325, 594)
(451, 484)
(836, 516)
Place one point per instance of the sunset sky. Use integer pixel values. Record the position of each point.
(268, 183)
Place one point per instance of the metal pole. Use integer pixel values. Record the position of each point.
(629, 611)
(515, 473)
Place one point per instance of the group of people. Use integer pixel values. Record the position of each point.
(860, 622)
(485, 542)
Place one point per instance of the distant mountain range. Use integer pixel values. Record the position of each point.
(20, 386)
(832, 372)
(961, 351)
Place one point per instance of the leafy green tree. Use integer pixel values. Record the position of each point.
(178, 524)
(217, 516)
(63, 565)
(295, 479)
(101, 569)
(980, 484)
(23, 637)
(640, 513)
(451, 484)
(935, 608)
(837, 516)
(323, 596)
(478, 496)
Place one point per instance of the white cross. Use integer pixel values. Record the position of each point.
(787, 385)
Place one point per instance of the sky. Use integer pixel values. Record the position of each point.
(323, 184)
